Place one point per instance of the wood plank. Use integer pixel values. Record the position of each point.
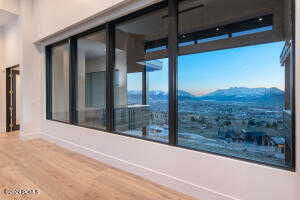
(64, 175)
(13, 179)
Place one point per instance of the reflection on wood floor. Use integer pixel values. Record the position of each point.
(46, 171)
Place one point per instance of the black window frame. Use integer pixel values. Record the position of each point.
(74, 66)
(48, 52)
(173, 53)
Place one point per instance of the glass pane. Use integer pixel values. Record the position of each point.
(141, 84)
(60, 82)
(134, 88)
(91, 80)
(234, 97)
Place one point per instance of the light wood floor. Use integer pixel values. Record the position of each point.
(60, 174)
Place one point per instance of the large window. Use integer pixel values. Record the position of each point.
(60, 82)
(141, 97)
(91, 80)
(204, 75)
(235, 85)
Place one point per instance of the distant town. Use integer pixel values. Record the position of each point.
(241, 122)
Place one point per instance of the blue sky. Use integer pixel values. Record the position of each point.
(252, 66)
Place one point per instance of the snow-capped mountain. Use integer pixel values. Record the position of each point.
(243, 94)
(185, 94)
(135, 92)
(158, 94)
(236, 94)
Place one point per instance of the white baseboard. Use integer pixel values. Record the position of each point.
(2, 128)
(24, 136)
(147, 173)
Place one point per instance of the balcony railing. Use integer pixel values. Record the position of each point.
(132, 117)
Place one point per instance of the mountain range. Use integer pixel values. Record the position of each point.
(233, 94)
(242, 94)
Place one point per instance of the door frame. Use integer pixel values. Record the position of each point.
(11, 86)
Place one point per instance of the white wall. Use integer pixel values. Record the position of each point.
(31, 73)
(67, 15)
(2, 82)
(18, 48)
(10, 52)
(12, 43)
(202, 175)
(10, 6)
(1, 46)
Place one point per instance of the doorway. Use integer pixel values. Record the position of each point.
(13, 91)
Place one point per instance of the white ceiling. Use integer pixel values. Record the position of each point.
(6, 17)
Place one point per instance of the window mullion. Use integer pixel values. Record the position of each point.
(110, 65)
(48, 83)
(73, 80)
(172, 54)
